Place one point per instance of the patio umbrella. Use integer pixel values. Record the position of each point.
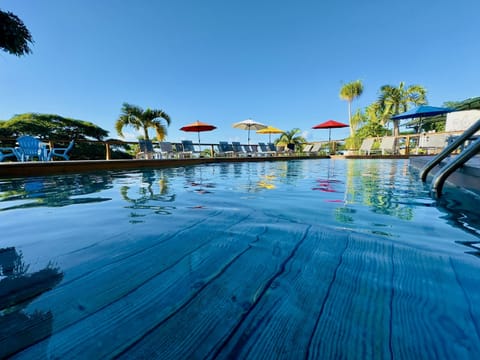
(422, 111)
(330, 124)
(270, 130)
(247, 125)
(198, 127)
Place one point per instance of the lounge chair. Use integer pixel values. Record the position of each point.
(306, 149)
(61, 152)
(166, 150)
(265, 151)
(432, 143)
(146, 150)
(249, 150)
(366, 146)
(315, 150)
(187, 149)
(388, 145)
(238, 149)
(30, 148)
(225, 149)
(273, 148)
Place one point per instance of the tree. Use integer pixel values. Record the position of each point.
(14, 35)
(140, 119)
(51, 127)
(350, 92)
(292, 138)
(58, 129)
(395, 100)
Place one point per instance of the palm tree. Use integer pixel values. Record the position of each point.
(292, 138)
(138, 118)
(14, 35)
(350, 92)
(395, 100)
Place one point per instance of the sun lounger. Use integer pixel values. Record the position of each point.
(187, 149)
(249, 150)
(265, 151)
(432, 143)
(238, 149)
(315, 150)
(225, 149)
(166, 150)
(366, 147)
(146, 150)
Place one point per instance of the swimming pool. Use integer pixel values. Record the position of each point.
(294, 259)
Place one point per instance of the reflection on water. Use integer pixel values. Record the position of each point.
(353, 192)
(148, 195)
(54, 191)
(18, 328)
(376, 185)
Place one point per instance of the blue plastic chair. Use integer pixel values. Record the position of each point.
(61, 152)
(6, 152)
(30, 148)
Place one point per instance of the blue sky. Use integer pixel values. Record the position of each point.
(279, 62)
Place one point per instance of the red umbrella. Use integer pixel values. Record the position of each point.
(330, 124)
(197, 127)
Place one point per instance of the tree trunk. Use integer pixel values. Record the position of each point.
(352, 130)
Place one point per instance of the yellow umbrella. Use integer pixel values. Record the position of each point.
(270, 130)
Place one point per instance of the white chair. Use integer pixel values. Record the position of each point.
(388, 145)
(432, 142)
(366, 146)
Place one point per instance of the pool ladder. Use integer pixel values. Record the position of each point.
(466, 154)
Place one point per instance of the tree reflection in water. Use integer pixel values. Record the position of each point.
(145, 195)
(18, 288)
(373, 183)
(53, 191)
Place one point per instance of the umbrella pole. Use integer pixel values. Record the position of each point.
(248, 143)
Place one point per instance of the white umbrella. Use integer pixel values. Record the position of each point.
(247, 125)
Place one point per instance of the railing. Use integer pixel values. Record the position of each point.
(465, 155)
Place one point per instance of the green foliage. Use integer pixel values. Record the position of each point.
(14, 35)
(350, 92)
(50, 127)
(292, 138)
(60, 131)
(140, 119)
(372, 129)
(395, 100)
(353, 142)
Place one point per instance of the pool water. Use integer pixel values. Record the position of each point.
(291, 259)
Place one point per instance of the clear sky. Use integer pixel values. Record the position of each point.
(279, 62)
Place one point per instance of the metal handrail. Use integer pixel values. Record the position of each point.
(449, 149)
(454, 164)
